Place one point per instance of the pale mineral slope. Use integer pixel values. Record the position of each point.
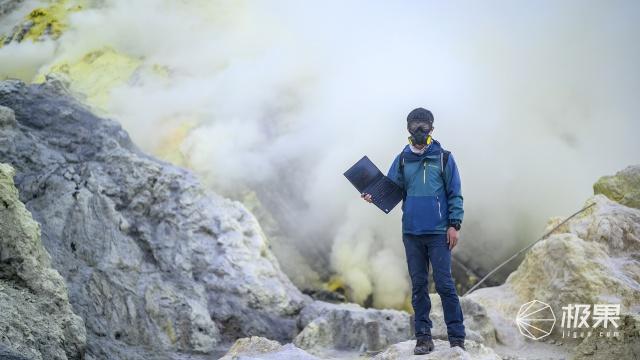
(36, 319)
(592, 259)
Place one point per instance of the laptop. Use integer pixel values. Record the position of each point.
(367, 178)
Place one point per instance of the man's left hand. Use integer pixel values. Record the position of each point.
(452, 237)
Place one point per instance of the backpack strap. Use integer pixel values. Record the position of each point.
(404, 191)
(444, 158)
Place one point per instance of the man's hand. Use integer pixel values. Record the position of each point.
(366, 197)
(452, 237)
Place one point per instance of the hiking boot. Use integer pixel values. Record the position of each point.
(457, 342)
(423, 346)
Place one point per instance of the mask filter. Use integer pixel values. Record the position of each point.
(420, 137)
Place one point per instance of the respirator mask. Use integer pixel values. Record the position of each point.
(420, 133)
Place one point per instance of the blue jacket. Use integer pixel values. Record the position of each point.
(432, 200)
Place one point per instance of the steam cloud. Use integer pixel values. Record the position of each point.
(536, 101)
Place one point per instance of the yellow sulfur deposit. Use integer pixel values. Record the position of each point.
(92, 76)
(335, 284)
(95, 74)
(169, 146)
(45, 21)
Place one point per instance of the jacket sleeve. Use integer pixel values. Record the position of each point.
(453, 189)
(394, 172)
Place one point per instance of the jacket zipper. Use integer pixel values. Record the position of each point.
(424, 173)
(439, 213)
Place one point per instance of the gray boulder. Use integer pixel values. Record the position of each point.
(478, 325)
(256, 347)
(155, 264)
(326, 326)
(623, 187)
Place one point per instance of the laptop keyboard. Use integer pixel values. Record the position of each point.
(379, 189)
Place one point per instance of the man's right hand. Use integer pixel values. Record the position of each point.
(366, 197)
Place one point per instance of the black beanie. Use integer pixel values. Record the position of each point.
(420, 114)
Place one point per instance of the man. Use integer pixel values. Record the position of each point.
(431, 218)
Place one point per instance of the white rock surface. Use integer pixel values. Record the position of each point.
(343, 326)
(265, 349)
(442, 350)
(592, 259)
(259, 348)
(327, 326)
(36, 319)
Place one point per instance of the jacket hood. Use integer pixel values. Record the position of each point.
(434, 149)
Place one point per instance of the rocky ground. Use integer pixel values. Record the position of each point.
(593, 258)
(130, 257)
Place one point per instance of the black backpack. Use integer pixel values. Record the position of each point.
(444, 157)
